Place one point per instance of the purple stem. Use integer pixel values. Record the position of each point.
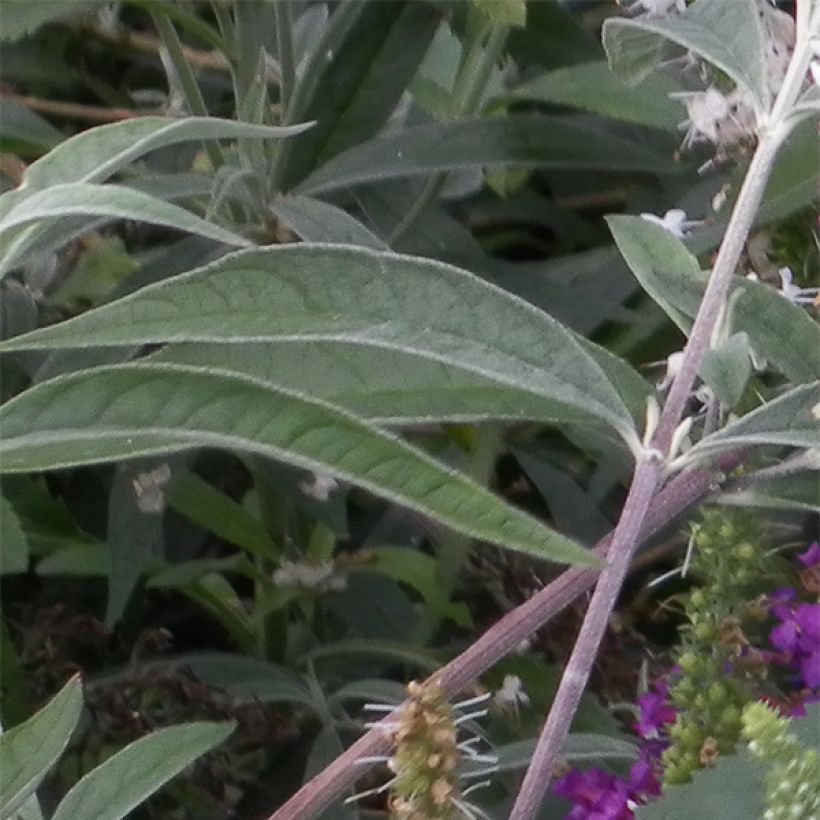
(500, 639)
(649, 469)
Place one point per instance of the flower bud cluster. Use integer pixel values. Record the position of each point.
(792, 781)
(718, 666)
(426, 786)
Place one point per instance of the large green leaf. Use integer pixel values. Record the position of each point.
(336, 293)
(790, 420)
(360, 83)
(593, 87)
(98, 153)
(117, 786)
(385, 386)
(116, 412)
(520, 141)
(29, 750)
(728, 35)
(108, 201)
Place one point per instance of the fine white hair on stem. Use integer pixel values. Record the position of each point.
(479, 713)
(378, 790)
(472, 701)
(687, 559)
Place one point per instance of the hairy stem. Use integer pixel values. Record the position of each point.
(649, 471)
(500, 639)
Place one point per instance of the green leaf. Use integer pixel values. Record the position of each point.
(243, 677)
(13, 541)
(418, 571)
(780, 331)
(203, 503)
(662, 264)
(579, 749)
(418, 306)
(29, 750)
(108, 201)
(126, 779)
(789, 492)
(214, 593)
(357, 86)
(790, 420)
(24, 130)
(504, 12)
(728, 35)
(316, 221)
(593, 87)
(117, 412)
(384, 386)
(732, 790)
(520, 142)
(21, 17)
(727, 368)
(95, 155)
(88, 559)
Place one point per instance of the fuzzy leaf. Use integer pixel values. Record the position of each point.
(593, 87)
(121, 411)
(727, 368)
(315, 292)
(728, 35)
(29, 750)
(127, 778)
(516, 142)
(790, 420)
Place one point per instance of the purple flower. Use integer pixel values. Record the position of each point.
(811, 557)
(655, 712)
(597, 795)
(798, 637)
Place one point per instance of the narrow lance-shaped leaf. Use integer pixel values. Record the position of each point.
(119, 785)
(791, 420)
(316, 221)
(109, 201)
(520, 141)
(29, 750)
(384, 386)
(98, 153)
(356, 296)
(113, 412)
(593, 87)
(728, 35)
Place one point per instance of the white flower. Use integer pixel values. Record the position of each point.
(320, 486)
(794, 293)
(673, 363)
(511, 693)
(674, 220)
(655, 8)
(297, 575)
(715, 117)
(780, 31)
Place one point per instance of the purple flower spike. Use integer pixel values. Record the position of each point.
(811, 557)
(597, 795)
(798, 635)
(655, 712)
